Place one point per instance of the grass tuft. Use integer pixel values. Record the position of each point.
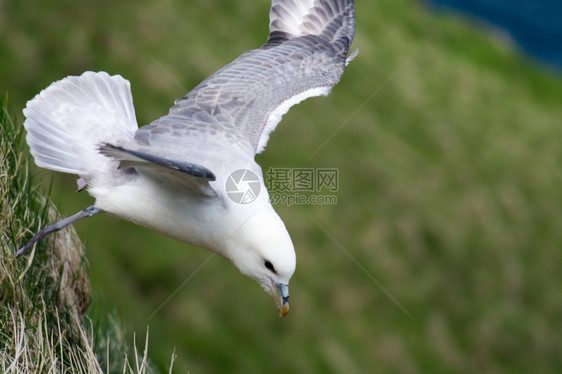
(44, 295)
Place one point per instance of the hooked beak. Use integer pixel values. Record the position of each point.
(280, 293)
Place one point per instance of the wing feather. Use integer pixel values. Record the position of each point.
(193, 176)
(304, 56)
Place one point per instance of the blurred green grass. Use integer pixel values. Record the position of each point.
(449, 193)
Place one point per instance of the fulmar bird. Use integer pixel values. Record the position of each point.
(191, 175)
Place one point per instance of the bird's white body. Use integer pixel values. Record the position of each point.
(211, 223)
(173, 176)
(167, 211)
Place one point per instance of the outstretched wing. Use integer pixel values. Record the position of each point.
(242, 103)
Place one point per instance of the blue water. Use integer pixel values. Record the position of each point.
(535, 25)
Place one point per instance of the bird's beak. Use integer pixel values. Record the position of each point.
(280, 293)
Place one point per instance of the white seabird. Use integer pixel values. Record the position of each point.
(191, 175)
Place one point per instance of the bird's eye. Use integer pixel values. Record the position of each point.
(269, 265)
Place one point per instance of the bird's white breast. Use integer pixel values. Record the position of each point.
(172, 212)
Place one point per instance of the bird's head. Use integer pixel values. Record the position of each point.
(262, 249)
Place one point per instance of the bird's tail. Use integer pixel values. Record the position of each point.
(68, 120)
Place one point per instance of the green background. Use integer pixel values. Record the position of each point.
(447, 144)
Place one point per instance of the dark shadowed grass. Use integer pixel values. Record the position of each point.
(45, 293)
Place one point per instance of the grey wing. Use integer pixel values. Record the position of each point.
(239, 105)
(192, 176)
